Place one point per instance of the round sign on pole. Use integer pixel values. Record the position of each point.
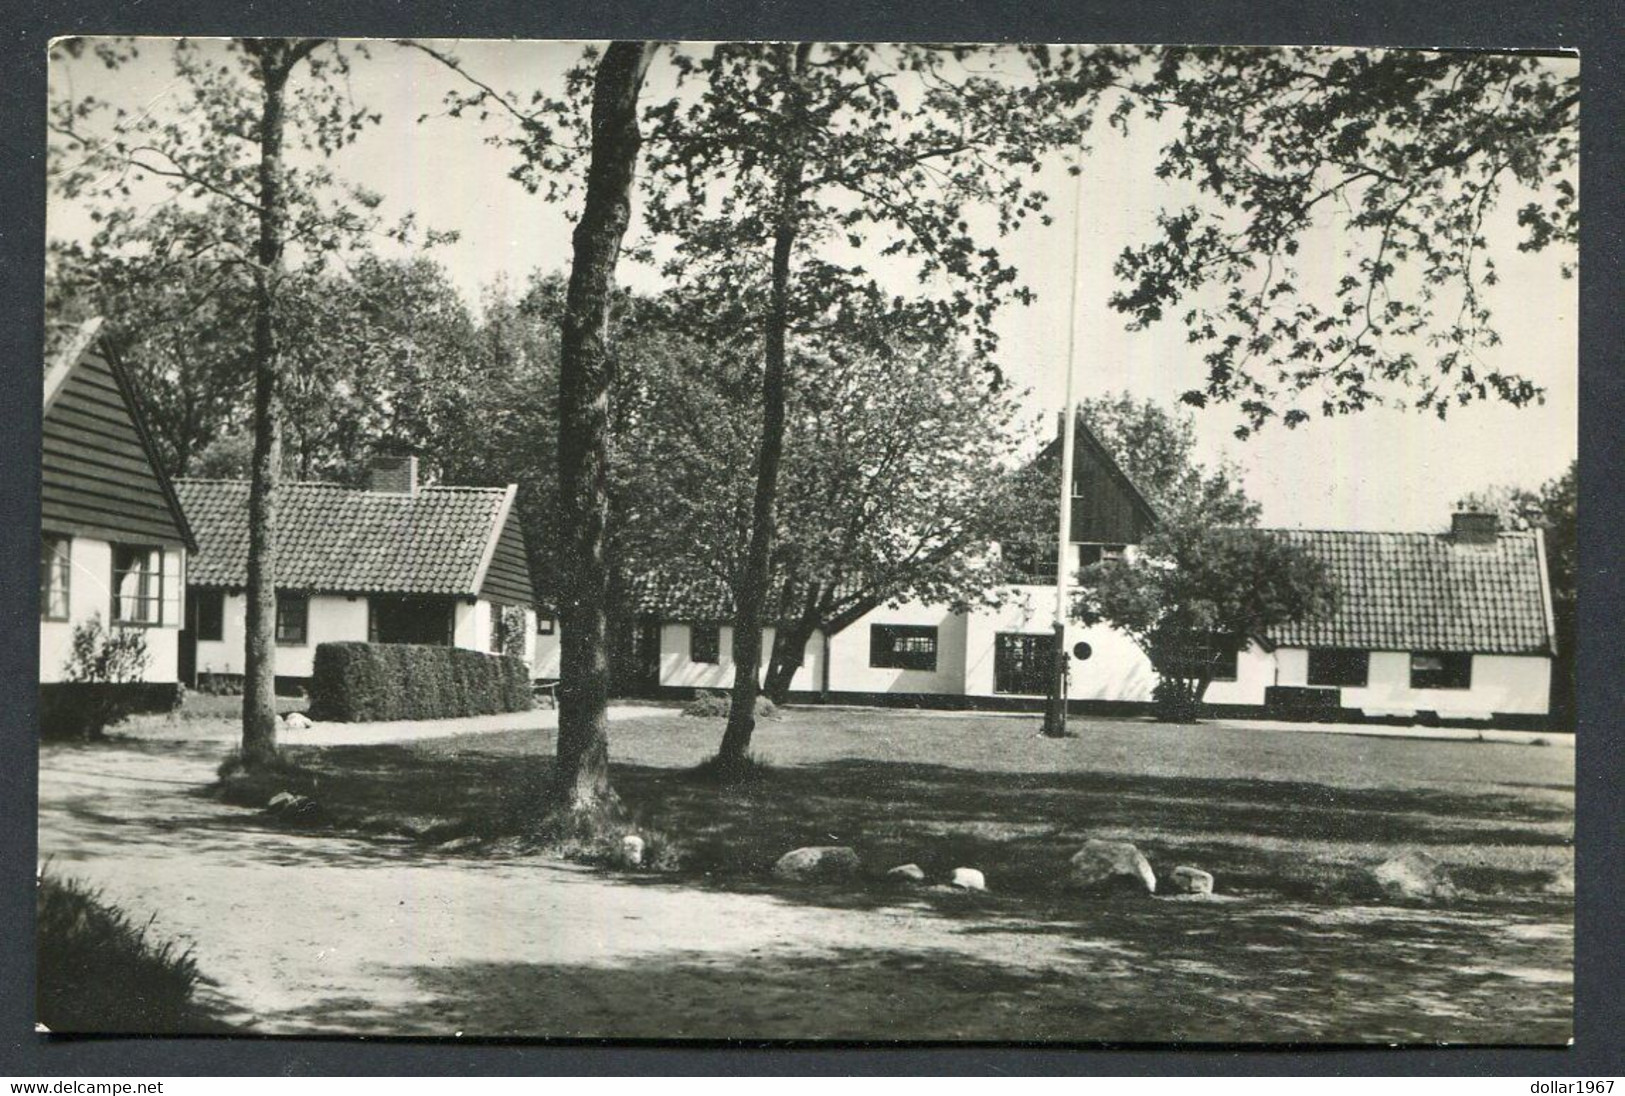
(1081, 650)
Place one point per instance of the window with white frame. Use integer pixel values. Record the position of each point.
(903, 646)
(55, 557)
(292, 620)
(138, 584)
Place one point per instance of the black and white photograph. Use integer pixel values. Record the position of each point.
(808, 541)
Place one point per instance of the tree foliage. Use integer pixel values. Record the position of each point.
(248, 218)
(897, 479)
(1193, 592)
(791, 184)
(1206, 580)
(1400, 157)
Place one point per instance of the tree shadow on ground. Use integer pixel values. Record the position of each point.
(1226, 985)
(1277, 838)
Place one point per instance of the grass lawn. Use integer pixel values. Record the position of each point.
(1268, 813)
(1290, 825)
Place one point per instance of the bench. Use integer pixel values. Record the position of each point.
(547, 688)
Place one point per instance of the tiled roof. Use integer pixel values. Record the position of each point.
(691, 598)
(1425, 592)
(345, 540)
(702, 598)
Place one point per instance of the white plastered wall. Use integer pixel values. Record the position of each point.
(850, 671)
(678, 670)
(90, 577)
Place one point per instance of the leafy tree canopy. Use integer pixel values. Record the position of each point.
(1400, 157)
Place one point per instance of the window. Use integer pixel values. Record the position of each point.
(1339, 666)
(508, 630)
(1030, 564)
(544, 625)
(704, 643)
(53, 577)
(1090, 554)
(1023, 663)
(1222, 653)
(903, 646)
(423, 620)
(138, 585)
(292, 619)
(1211, 654)
(1442, 670)
(208, 610)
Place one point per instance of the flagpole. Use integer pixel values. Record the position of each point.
(1055, 715)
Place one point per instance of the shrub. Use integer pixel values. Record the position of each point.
(98, 972)
(707, 706)
(715, 705)
(101, 683)
(366, 682)
(105, 656)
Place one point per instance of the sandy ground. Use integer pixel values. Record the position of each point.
(317, 934)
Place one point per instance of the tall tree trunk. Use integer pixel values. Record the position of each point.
(581, 779)
(259, 744)
(790, 647)
(789, 652)
(753, 586)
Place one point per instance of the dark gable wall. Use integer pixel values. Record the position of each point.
(507, 580)
(96, 476)
(1104, 510)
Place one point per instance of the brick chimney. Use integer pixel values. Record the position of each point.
(1474, 527)
(393, 475)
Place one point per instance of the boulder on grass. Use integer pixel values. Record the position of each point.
(296, 721)
(968, 879)
(1107, 866)
(1413, 876)
(906, 873)
(1188, 880)
(631, 851)
(818, 862)
(290, 807)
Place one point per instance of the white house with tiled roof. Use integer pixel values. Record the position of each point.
(1457, 625)
(395, 562)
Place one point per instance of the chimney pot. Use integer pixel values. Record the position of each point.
(393, 475)
(1474, 527)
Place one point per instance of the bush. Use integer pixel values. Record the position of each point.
(101, 683)
(709, 705)
(98, 972)
(367, 682)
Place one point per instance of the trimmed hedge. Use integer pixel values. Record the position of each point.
(77, 710)
(369, 682)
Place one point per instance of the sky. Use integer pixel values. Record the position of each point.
(1383, 468)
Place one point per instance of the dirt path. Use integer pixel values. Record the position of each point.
(320, 934)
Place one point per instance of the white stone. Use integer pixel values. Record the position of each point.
(1111, 865)
(818, 862)
(296, 721)
(1413, 875)
(968, 879)
(632, 850)
(1188, 880)
(906, 873)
